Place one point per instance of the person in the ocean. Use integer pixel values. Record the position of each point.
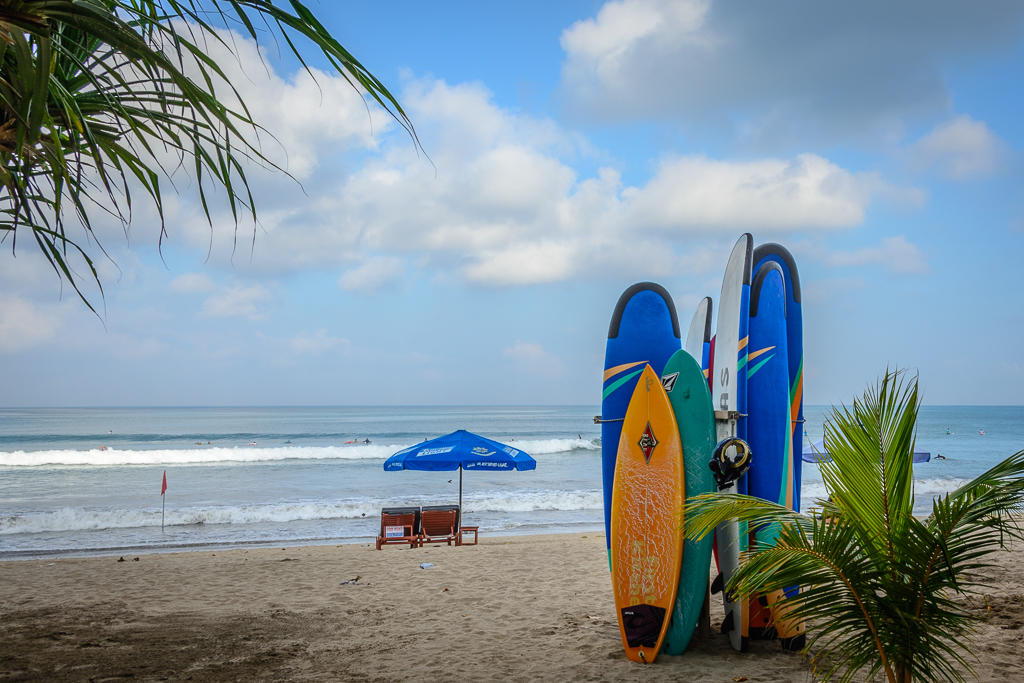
(367, 441)
(940, 456)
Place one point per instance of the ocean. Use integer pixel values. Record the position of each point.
(86, 481)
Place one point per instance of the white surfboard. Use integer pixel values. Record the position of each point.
(700, 330)
(725, 387)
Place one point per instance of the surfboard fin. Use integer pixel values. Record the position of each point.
(795, 643)
(727, 623)
(718, 584)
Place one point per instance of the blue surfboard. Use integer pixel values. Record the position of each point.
(644, 330)
(770, 476)
(795, 351)
(775, 406)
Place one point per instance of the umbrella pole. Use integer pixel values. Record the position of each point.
(460, 490)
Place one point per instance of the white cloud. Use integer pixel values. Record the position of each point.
(532, 358)
(373, 274)
(778, 72)
(958, 150)
(24, 325)
(316, 343)
(305, 116)
(805, 192)
(240, 301)
(504, 208)
(502, 204)
(191, 283)
(895, 255)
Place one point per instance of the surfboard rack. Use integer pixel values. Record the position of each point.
(598, 420)
(728, 415)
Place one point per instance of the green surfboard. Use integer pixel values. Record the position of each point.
(691, 400)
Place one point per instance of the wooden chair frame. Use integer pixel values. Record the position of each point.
(439, 525)
(406, 520)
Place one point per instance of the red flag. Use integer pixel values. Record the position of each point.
(163, 489)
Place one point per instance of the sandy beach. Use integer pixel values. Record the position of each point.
(520, 608)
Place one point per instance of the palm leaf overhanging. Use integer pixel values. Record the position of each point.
(92, 90)
(878, 582)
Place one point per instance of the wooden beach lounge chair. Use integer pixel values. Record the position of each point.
(439, 523)
(399, 525)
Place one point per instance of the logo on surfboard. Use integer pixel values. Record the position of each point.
(647, 443)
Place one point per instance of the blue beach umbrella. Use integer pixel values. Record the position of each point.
(460, 450)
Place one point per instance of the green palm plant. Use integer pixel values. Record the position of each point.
(879, 583)
(92, 92)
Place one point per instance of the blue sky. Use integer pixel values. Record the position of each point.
(577, 147)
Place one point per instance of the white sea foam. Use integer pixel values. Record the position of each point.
(212, 454)
(168, 456)
(85, 519)
(531, 501)
(548, 446)
(924, 490)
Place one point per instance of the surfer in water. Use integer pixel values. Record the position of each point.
(367, 441)
(981, 432)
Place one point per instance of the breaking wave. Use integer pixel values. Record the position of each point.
(924, 491)
(90, 519)
(160, 456)
(213, 454)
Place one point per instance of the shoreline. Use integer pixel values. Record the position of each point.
(521, 607)
(60, 553)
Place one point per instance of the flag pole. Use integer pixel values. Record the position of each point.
(163, 500)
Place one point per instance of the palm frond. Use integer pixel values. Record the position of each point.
(879, 584)
(92, 90)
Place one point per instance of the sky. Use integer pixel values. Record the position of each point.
(569, 150)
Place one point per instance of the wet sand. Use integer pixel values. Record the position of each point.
(522, 608)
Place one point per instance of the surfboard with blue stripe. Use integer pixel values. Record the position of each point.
(644, 330)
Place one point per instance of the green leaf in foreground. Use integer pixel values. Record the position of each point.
(93, 92)
(878, 583)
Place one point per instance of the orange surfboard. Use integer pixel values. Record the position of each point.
(646, 524)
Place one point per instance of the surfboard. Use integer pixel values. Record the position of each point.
(687, 389)
(791, 635)
(644, 330)
(646, 533)
(794, 350)
(770, 476)
(729, 398)
(698, 337)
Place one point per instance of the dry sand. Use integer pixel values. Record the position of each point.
(523, 608)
